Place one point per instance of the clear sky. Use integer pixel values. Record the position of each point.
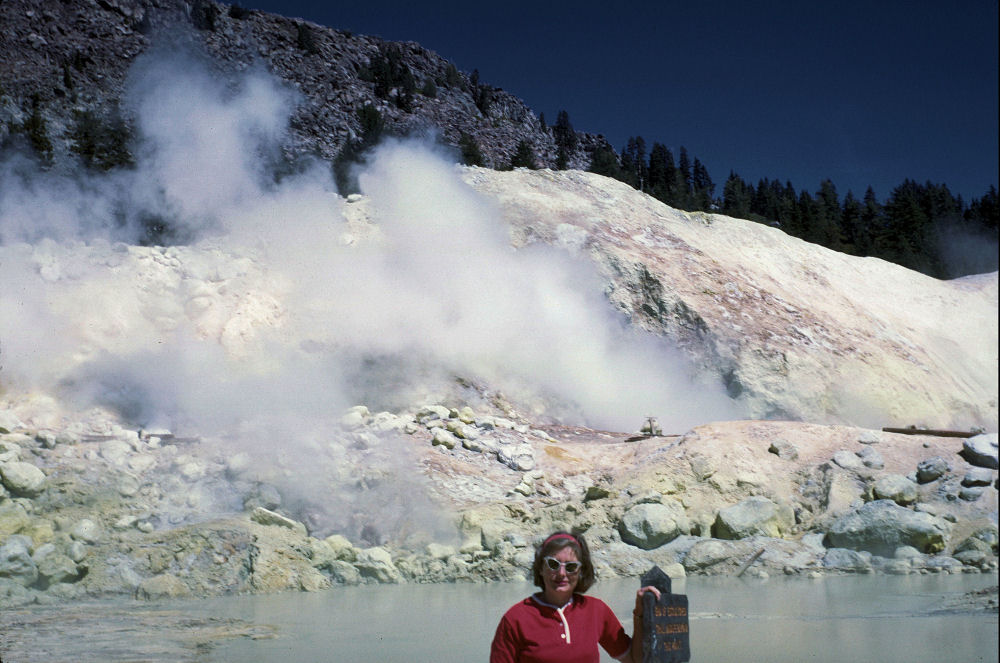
(858, 92)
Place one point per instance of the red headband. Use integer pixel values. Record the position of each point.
(560, 536)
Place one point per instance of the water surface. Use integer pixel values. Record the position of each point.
(904, 619)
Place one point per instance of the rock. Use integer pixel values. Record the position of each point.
(268, 517)
(971, 493)
(355, 417)
(882, 526)
(376, 563)
(341, 548)
(472, 444)
(706, 553)
(343, 573)
(907, 553)
(783, 449)
(871, 458)
(163, 586)
(432, 412)
(439, 551)
(443, 438)
(972, 557)
(649, 526)
(847, 460)
(55, 568)
(263, 495)
(848, 560)
(466, 415)
(897, 488)
(978, 476)
(22, 479)
(843, 491)
(76, 551)
(930, 469)
(987, 535)
(86, 531)
(981, 450)
(13, 518)
(754, 516)
(869, 437)
(973, 543)
(520, 457)
(596, 493)
(15, 561)
(701, 467)
(115, 451)
(460, 430)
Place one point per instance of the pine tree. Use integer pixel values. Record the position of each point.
(471, 154)
(604, 161)
(662, 172)
(736, 197)
(703, 187)
(682, 186)
(524, 157)
(565, 139)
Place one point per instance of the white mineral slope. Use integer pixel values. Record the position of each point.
(795, 330)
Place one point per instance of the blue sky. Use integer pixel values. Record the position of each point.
(858, 92)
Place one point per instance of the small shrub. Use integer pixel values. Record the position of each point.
(471, 154)
(204, 14)
(429, 89)
(239, 13)
(306, 39)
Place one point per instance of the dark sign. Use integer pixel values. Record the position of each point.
(665, 638)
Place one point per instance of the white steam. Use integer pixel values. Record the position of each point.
(268, 314)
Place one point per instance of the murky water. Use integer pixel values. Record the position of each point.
(909, 619)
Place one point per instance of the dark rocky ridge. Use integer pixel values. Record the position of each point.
(68, 57)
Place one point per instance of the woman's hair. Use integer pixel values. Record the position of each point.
(556, 542)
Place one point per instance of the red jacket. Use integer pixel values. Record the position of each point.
(536, 632)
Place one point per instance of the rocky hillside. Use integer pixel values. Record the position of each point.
(59, 60)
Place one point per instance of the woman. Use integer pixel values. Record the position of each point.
(560, 624)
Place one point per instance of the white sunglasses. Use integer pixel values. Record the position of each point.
(554, 565)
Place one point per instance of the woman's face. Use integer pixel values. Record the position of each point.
(559, 584)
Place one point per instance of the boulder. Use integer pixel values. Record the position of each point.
(355, 417)
(163, 586)
(115, 451)
(783, 449)
(86, 531)
(22, 479)
(520, 457)
(376, 563)
(871, 458)
(981, 450)
(13, 518)
(897, 488)
(55, 568)
(708, 552)
(266, 517)
(930, 469)
(15, 561)
(882, 526)
(869, 437)
(971, 493)
(754, 516)
(846, 559)
(978, 476)
(444, 439)
(432, 412)
(650, 525)
(847, 460)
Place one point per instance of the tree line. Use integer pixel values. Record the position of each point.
(923, 227)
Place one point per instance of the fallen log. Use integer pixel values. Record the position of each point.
(930, 431)
(746, 564)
